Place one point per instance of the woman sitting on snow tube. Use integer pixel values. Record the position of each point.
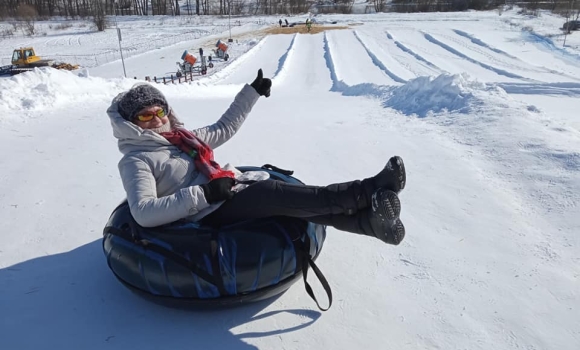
(169, 175)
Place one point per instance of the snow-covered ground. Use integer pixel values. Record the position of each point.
(483, 108)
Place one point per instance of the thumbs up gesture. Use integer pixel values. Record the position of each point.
(262, 85)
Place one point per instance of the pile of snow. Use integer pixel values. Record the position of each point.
(428, 95)
(47, 89)
(253, 42)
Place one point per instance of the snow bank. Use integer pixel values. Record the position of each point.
(47, 89)
(427, 95)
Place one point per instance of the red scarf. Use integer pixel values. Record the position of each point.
(201, 153)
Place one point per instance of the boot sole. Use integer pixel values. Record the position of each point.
(386, 204)
(397, 233)
(403, 174)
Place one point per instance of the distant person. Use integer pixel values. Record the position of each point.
(280, 21)
(169, 173)
(308, 25)
(286, 20)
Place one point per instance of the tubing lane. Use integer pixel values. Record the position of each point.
(304, 67)
(410, 59)
(266, 57)
(440, 57)
(354, 64)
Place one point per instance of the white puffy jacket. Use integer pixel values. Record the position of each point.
(161, 181)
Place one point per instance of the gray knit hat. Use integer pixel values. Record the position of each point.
(140, 96)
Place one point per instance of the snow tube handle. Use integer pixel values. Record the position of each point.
(303, 255)
(322, 280)
(275, 168)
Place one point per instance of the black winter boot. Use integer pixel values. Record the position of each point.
(349, 196)
(389, 231)
(385, 204)
(381, 220)
(392, 177)
(356, 195)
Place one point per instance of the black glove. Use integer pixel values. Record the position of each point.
(218, 189)
(261, 85)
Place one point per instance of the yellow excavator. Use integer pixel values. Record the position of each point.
(25, 59)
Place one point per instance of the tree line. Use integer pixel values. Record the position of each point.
(41, 9)
(87, 8)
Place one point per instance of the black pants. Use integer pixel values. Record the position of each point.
(334, 205)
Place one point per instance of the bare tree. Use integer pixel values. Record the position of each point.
(28, 15)
(98, 14)
(238, 7)
(141, 7)
(569, 13)
(257, 6)
(344, 6)
(294, 6)
(379, 5)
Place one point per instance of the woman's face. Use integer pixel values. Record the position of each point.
(151, 117)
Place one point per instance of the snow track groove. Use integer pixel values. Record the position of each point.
(337, 85)
(442, 58)
(563, 89)
(281, 71)
(378, 62)
(548, 45)
(353, 63)
(412, 53)
(306, 56)
(496, 56)
(505, 73)
(484, 52)
(481, 43)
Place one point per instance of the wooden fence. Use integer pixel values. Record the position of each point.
(172, 79)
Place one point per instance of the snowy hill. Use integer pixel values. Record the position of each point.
(483, 113)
